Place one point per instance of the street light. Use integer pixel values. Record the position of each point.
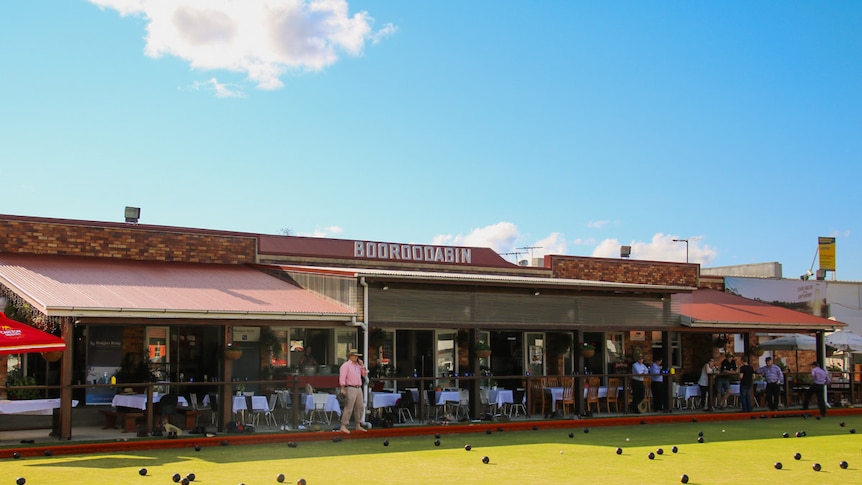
(686, 247)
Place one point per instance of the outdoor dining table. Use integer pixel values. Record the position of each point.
(442, 397)
(40, 407)
(139, 401)
(384, 399)
(331, 405)
(501, 397)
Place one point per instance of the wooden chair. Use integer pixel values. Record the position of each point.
(648, 393)
(613, 394)
(568, 398)
(537, 396)
(592, 394)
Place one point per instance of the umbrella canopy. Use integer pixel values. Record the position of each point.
(20, 338)
(791, 342)
(845, 341)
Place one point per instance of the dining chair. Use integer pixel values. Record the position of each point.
(537, 396)
(567, 400)
(613, 394)
(405, 406)
(592, 393)
(518, 398)
(320, 399)
(485, 404)
(463, 404)
(212, 402)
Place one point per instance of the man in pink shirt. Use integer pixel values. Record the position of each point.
(350, 380)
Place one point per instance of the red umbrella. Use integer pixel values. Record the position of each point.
(20, 338)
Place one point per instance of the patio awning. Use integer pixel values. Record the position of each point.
(706, 308)
(20, 338)
(84, 287)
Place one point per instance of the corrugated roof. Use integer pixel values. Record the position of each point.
(84, 286)
(713, 308)
(484, 278)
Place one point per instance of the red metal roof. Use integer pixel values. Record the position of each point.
(85, 286)
(712, 308)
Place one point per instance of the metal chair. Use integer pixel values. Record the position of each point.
(320, 399)
(518, 406)
(405, 406)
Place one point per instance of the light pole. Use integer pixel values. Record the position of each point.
(686, 247)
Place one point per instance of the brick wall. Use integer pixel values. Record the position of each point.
(111, 240)
(625, 271)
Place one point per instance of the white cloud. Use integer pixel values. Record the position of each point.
(597, 224)
(327, 231)
(221, 90)
(584, 241)
(262, 38)
(662, 247)
(555, 243)
(500, 237)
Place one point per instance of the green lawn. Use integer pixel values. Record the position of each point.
(732, 452)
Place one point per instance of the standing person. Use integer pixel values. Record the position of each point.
(657, 386)
(746, 381)
(728, 368)
(819, 381)
(707, 370)
(774, 377)
(350, 379)
(639, 369)
(307, 359)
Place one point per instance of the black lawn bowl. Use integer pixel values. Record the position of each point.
(659, 451)
(700, 439)
(674, 449)
(337, 439)
(817, 418)
(191, 477)
(797, 456)
(48, 452)
(185, 481)
(571, 435)
(816, 467)
(488, 431)
(21, 481)
(16, 455)
(142, 472)
(486, 460)
(301, 481)
(468, 447)
(535, 428)
(385, 442)
(500, 429)
(841, 424)
(777, 465)
(437, 436)
(197, 447)
(176, 477)
(700, 433)
(651, 455)
(786, 435)
(292, 444)
(619, 451)
(279, 478)
(224, 442)
(852, 431)
(586, 430)
(693, 420)
(843, 465)
(436, 442)
(799, 434)
(683, 478)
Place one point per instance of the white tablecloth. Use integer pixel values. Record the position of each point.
(446, 396)
(500, 396)
(139, 401)
(330, 406)
(384, 399)
(40, 407)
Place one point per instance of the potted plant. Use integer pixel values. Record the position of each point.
(17, 378)
(134, 369)
(587, 349)
(483, 349)
(231, 352)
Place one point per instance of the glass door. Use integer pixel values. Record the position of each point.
(535, 343)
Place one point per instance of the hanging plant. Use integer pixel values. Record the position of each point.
(720, 341)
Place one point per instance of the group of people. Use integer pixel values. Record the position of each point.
(655, 372)
(770, 372)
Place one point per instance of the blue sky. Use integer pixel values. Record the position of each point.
(575, 126)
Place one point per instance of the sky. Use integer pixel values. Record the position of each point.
(567, 127)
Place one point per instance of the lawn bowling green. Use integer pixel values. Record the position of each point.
(749, 448)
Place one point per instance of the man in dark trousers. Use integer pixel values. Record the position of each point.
(819, 381)
(774, 377)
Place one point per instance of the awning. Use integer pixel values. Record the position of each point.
(707, 308)
(20, 338)
(102, 287)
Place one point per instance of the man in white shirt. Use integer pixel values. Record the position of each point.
(639, 369)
